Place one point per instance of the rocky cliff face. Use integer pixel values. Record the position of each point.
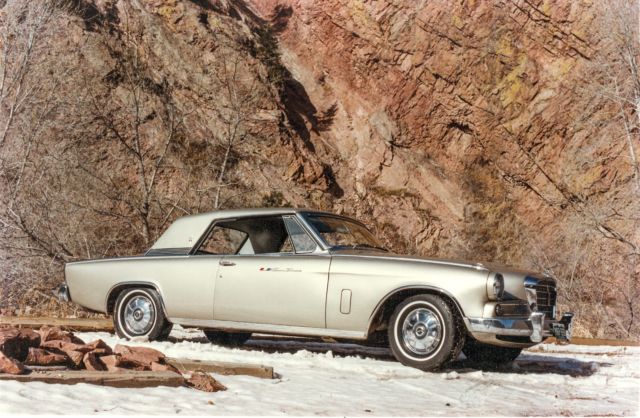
(470, 129)
(438, 108)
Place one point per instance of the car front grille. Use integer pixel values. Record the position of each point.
(546, 297)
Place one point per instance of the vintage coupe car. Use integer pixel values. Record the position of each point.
(309, 273)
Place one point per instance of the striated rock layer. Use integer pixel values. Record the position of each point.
(469, 129)
(475, 129)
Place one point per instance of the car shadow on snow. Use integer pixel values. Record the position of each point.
(532, 364)
(526, 363)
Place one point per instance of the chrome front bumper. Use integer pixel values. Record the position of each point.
(536, 327)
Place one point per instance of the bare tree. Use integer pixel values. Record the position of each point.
(24, 32)
(30, 103)
(132, 110)
(235, 103)
(611, 80)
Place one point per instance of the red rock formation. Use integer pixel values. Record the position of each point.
(472, 129)
(463, 129)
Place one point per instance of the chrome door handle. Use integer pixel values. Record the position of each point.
(227, 263)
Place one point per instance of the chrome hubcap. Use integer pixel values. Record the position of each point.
(421, 331)
(139, 315)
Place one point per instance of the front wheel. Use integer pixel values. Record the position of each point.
(231, 339)
(138, 313)
(422, 332)
(491, 354)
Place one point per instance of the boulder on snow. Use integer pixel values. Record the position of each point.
(65, 346)
(69, 346)
(114, 364)
(92, 362)
(99, 347)
(75, 358)
(9, 365)
(159, 367)
(15, 342)
(204, 382)
(75, 352)
(111, 363)
(138, 356)
(57, 333)
(42, 357)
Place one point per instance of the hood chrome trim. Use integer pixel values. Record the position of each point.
(476, 266)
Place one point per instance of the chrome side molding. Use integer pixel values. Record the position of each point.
(269, 328)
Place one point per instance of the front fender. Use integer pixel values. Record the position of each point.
(373, 281)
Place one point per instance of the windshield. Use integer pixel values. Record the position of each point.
(343, 233)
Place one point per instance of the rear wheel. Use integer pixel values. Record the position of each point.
(138, 313)
(422, 332)
(491, 354)
(231, 339)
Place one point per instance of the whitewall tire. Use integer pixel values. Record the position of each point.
(138, 314)
(422, 332)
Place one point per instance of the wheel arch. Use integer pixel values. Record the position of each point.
(384, 309)
(115, 290)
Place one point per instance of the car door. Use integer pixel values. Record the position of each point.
(277, 277)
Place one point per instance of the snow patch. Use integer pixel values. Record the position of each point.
(318, 378)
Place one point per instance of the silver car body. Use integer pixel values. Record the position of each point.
(339, 294)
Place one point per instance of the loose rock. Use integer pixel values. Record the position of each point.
(9, 365)
(99, 347)
(75, 358)
(54, 346)
(65, 346)
(111, 363)
(15, 343)
(204, 382)
(92, 362)
(42, 357)
(158, 367)
(138, 356)
(56, 333)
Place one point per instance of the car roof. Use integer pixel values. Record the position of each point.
(185, 231)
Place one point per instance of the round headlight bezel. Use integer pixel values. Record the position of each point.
(495, 286)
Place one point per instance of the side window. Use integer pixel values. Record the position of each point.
(223, 240)
(261, 235)
(268, 235)
(301, 241)
(287, 246)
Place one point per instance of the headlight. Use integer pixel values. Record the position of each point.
(495, 287)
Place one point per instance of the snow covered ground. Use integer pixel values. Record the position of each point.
(316, 378)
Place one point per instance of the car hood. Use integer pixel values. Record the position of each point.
(488, 266)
